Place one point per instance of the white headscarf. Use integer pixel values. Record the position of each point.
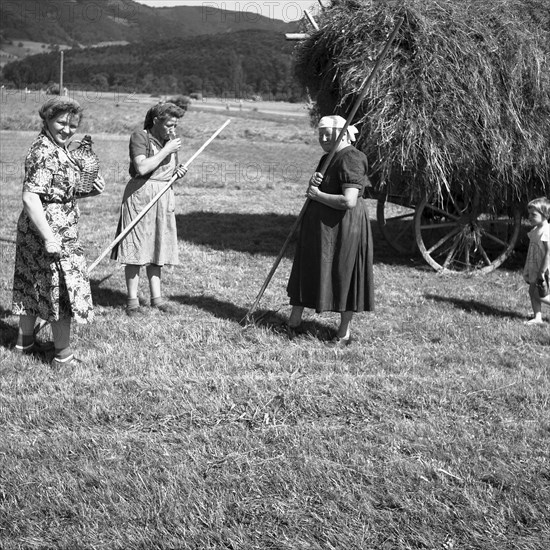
(336, 121)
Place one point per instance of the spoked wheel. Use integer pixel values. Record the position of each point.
(453, 235)
(396, 223)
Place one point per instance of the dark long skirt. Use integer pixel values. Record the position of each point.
(333, 266)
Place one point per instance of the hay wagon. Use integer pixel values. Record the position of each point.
(456, 124)
(451, 232)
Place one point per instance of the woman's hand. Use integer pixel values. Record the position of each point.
(316, 179)
(99, 184)
(172, 145)
(53, 247)
(181, 170)
(313, 192)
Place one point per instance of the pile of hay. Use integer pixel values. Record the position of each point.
(461, 102)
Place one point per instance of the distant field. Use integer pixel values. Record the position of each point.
(18, 49)
(198, 431)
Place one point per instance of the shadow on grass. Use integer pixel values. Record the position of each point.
(473, 306)
(265, 234)
(269, 319)
(8, 333)
(252, 233)
(104, 296)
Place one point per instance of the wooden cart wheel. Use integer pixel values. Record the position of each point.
(452, 235)
(396, 223)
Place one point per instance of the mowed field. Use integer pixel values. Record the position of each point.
(194, 430)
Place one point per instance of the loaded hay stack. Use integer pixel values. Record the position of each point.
(461, 102)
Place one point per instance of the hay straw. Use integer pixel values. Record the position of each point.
(462, 101)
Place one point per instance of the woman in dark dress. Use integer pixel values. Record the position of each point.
(332, 268)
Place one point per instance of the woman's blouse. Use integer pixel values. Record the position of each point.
(143, 143)
(348, 169)
(50, 172)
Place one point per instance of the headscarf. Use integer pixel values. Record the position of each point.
(338, 122)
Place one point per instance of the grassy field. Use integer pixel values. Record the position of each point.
(194, 431)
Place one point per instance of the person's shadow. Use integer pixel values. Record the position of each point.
(266, 318)
(105, 296)
(474, 306)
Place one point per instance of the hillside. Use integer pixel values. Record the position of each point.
(30, 27)
(88, 22)
(234, 65)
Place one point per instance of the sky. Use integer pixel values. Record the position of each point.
(286, 10)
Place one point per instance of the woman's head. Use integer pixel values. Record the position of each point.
(61, 117)
(329, 129)
(162, 119)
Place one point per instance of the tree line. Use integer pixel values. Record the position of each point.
(241, 65)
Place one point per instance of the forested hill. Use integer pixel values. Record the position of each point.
(89, 22)
(239, 64)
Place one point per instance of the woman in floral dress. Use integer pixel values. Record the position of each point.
(50, 279)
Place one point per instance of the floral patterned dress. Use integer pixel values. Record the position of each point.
(45, 286)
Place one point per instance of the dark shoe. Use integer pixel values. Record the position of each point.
(36, 348)
(165, 307)
(134, 311)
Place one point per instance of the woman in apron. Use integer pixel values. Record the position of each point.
(153, 241)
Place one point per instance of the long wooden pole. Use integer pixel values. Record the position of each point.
(150, 204)
(364, 87)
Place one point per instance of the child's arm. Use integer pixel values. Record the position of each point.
(545, 265)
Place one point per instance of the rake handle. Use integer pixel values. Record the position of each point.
(153, 201)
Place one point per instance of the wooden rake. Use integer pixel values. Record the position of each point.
(152, 202)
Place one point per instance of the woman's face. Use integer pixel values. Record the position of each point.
(62, 127)
(328, 136)
(165, 129)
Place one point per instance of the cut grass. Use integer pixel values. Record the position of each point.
(194, 431)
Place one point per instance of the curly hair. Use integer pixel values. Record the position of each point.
(56, 105)
(162, 111)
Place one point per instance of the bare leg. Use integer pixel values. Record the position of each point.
(61, 331)
(131, 273)
(25, 334)
(153, 274)
(26, 324)
(345, 321)
(295, 316)
(536, 305)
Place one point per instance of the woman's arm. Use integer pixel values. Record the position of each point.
(144, 164)
(346, 201)
(33, 207)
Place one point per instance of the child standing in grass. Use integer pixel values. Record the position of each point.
(537, 266)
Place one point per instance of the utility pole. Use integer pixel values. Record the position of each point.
(61, 74)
